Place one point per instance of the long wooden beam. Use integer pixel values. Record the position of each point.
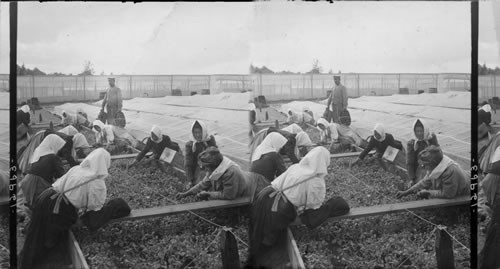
(399, 207)
(137, 214)
(4, 201)
(77, 257)
(349, 154)
(293, 252)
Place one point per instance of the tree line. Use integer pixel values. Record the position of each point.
(88, 70)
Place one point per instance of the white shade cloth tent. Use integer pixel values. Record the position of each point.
(447, 114)
(225, 115)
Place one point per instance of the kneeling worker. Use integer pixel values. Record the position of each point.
(156, 143)
(444, 179)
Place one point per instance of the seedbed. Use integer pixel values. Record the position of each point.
(166, 242)
(4, 240)
(388, 241)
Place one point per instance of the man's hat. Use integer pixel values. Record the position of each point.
(113, 79)
(336, 76)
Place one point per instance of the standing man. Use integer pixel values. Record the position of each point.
(112, 101)
(338, 100)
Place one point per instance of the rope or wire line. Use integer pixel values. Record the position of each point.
(211, 222)
(4, 248)
(432, 234)
(407, 210)
(213, 242)
(203, 218)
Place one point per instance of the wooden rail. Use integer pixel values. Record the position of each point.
(147, 213)
(77, 257)
(293, 252)
(368, 211)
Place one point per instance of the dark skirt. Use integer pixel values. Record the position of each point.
(24, 158)
(267, 228)
(47, 234)
(32, 186)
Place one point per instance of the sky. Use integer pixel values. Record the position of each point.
(364, 37)
(489, 33)
(225, 38)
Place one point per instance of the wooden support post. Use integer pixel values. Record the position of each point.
(444, 250)
(276, 124)
(229, 251)
(84, 86)
(488, 257)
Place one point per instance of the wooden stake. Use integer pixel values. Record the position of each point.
(444, 250)
(229, 250)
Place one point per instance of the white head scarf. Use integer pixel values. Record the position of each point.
(311, 171)
(204, 134)
(486, 108)
(323, 122)
(98, 123)
(303, 139)
(379, 128)
(427, 131)
(79, 141)
(251, 106)
(272, 143)
(93, 169)
(52, 144)
(25, 109)
(293, 129)
(69, 130)
(157, 131)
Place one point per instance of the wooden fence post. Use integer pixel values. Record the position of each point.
(444, 250)
(229, 251)
(84, 86)
(488, 257)
(130, 87)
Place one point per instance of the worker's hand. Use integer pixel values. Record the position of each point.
(181, 195)
(401, 194)
(203, 195)
(424, 194)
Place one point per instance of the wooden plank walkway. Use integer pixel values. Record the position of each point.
(4, 201)
(368, 211)
(77, 257)
(137, 214)
(293, 252)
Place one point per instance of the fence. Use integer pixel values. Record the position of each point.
(488, 87)
(52, 89)
(308, 86)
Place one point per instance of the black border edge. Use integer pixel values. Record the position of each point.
(12, 124)
(474, 147)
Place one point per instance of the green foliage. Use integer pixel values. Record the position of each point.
(484, 70)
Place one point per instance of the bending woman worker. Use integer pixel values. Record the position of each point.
(45, 167)
(266, 159)
(224, 180)
(81, 191)
(380, 140)
(156, 143)
(300, 191)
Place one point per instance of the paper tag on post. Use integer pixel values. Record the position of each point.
(390, 153)
(168, 155)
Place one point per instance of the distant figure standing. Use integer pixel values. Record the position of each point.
(112, 101)
(338, 99)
